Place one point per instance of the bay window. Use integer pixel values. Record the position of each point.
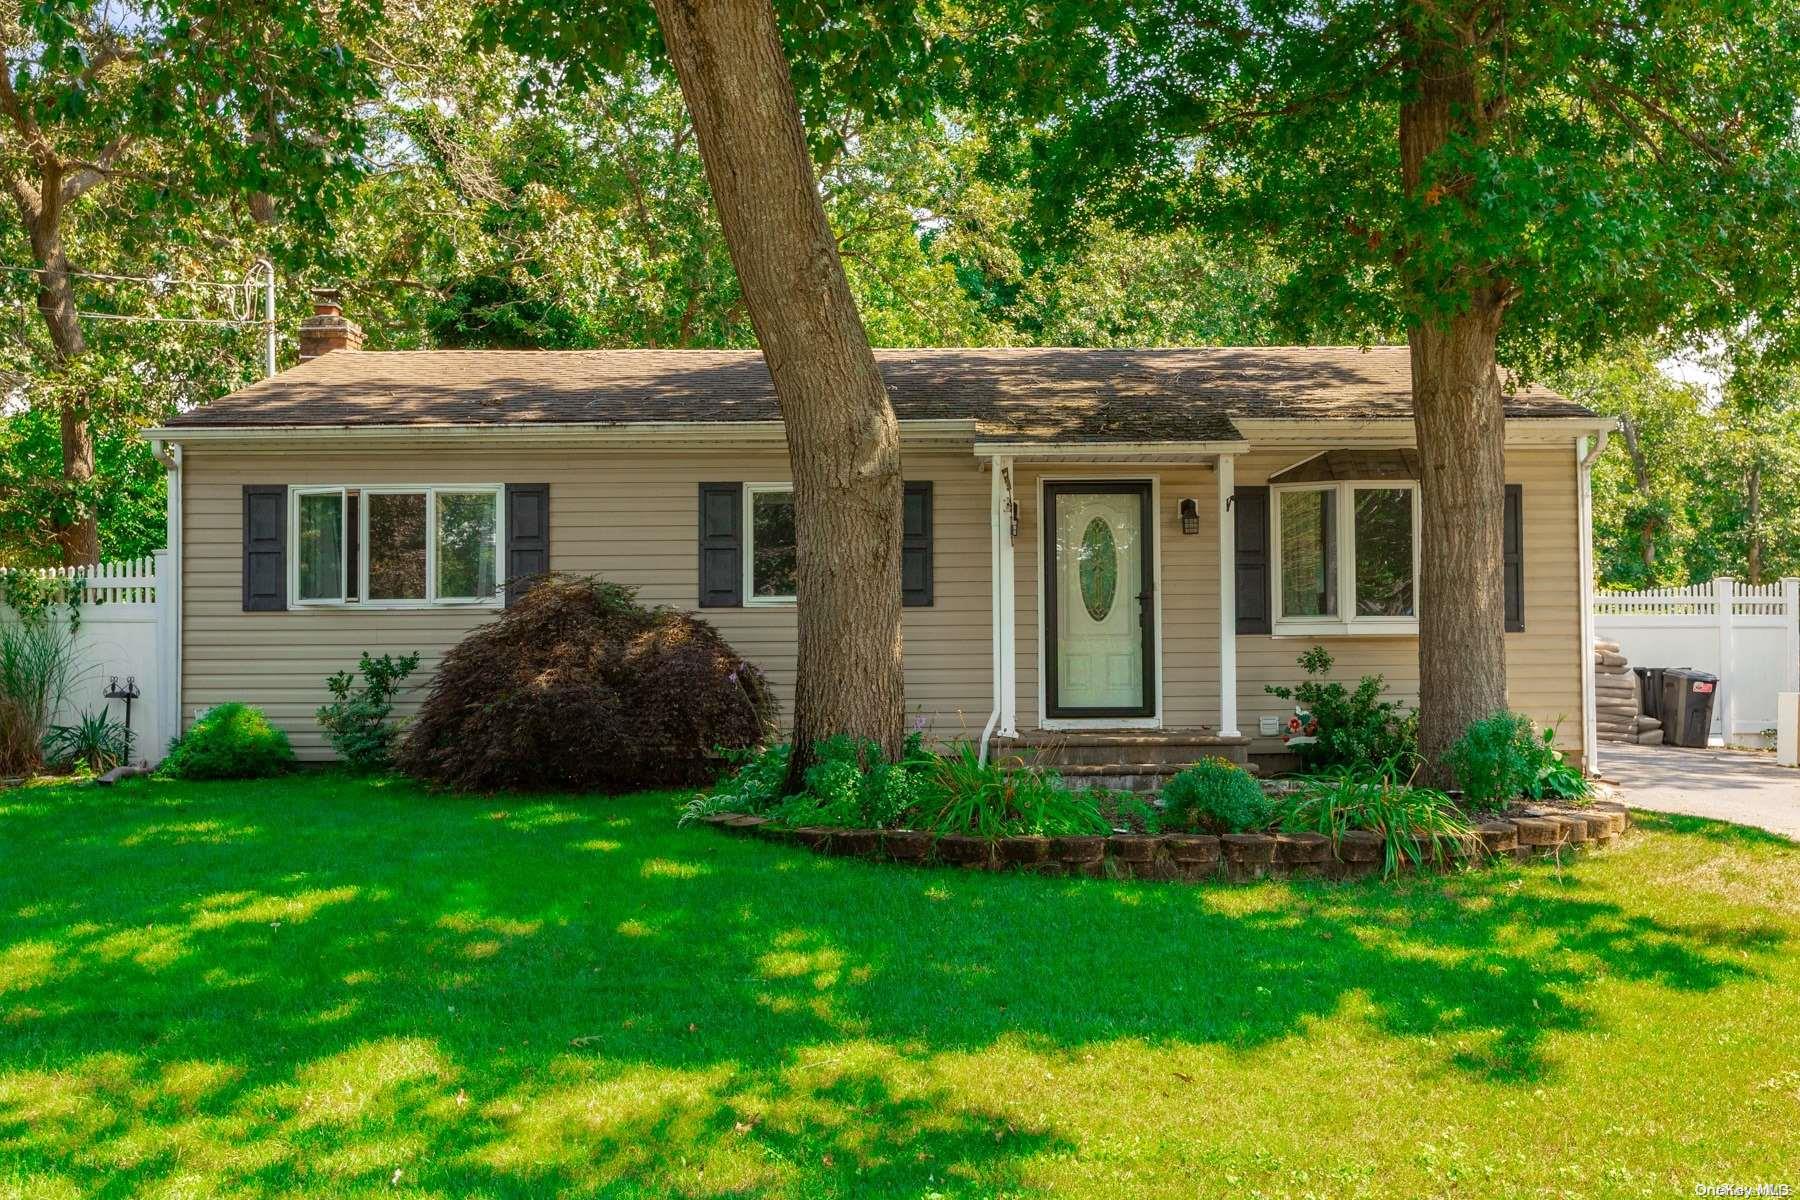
(396, 546)
(1346, 558)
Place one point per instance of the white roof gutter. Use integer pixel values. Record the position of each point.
(623, 433)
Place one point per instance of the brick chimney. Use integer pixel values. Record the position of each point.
(328, 329)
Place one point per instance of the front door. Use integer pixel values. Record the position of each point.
(1099, 600)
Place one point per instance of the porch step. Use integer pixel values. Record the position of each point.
(1118, 749)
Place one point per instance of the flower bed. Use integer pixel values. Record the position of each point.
(1523, 834)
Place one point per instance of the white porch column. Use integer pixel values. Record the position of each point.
(1226, 474)
(1006, 595)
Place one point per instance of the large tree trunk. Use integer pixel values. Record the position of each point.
(1640, 466)
(1753, 522)
(77, 535)
(1460, 423)
(842, 438)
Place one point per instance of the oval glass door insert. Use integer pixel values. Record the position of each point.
(1099, 568)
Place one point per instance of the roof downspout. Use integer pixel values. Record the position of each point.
(1000, 625)
(1585, 457)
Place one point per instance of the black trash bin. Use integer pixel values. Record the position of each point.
(1687, 705)
(1650, 685)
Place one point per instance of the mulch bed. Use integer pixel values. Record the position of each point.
(1523, 833)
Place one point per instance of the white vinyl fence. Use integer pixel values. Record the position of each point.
(1748, 636)
(124, 633)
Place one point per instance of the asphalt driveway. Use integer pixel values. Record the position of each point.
(1725, 785)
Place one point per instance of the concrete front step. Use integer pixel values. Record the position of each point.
(1121, 750)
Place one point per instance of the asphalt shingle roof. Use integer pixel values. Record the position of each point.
(1025, 395)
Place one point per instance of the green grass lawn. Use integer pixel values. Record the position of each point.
(327, 987)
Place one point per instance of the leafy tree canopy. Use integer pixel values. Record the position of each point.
(1631, 166)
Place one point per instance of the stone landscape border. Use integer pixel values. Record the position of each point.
(1523, 834)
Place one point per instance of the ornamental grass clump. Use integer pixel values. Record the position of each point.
(1416, 824)
(578, 686)
(36, 658)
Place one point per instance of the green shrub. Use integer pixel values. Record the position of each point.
(1351, 728)
(358, 721)
(232, 741)
(849, 785)
(1415, 823)
(95, 741)
(1501, 758)
(1215, 796)
(754, 786)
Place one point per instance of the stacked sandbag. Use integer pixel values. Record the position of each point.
(1618, 711)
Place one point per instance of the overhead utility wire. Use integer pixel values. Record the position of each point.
(240, 295)
(163, 279)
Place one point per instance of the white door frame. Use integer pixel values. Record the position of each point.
(1155, 720)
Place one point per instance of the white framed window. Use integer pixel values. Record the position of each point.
(770, 559)
(395, 545)
(1346, 557)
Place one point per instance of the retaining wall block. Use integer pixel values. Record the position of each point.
(1080, 855)
(814, 837)
(1133, 855)
(1575, 830)
(1192, 855)
(1302, 855)
(743, 823)
(1024, 853)
(1498, 837)
(907, 845)
(1359, 846)
(856, 843)
(1600, 824)
(1537, 831)
(1247, 855)
(962, 850)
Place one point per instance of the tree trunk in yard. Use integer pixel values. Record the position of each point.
(78, 540)
(1460, 426)
(842, 438)
(1753, 514)
(1640, 467)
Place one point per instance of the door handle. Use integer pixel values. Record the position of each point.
(1143, 599)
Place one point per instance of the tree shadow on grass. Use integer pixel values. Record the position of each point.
(333, 980)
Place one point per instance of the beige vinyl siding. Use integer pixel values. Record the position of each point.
(628, 516)
(1543, 662)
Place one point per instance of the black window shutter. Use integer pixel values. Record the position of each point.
(915, 545)
(1250, 514)
(721, 545)
(527, 536)
(1513, 551)
(265, 547)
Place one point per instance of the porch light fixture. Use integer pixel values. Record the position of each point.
(1190, 516)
